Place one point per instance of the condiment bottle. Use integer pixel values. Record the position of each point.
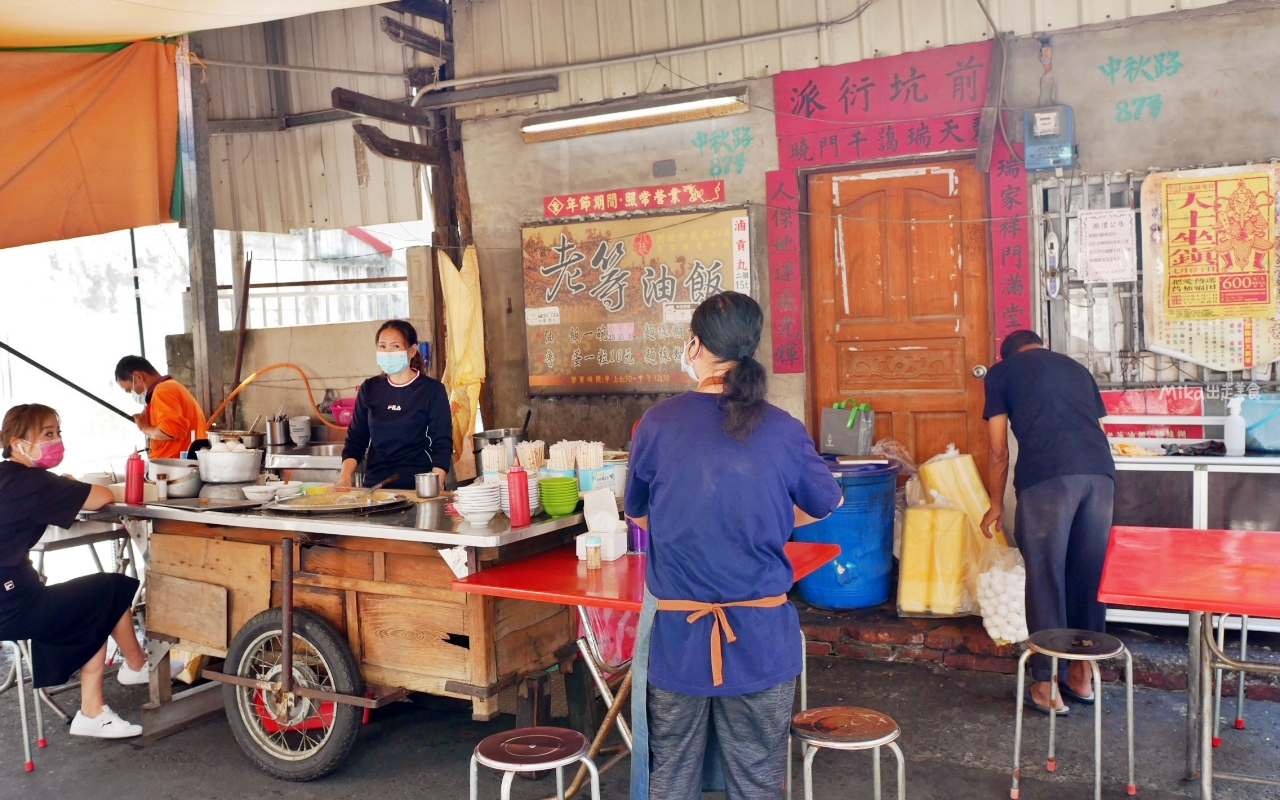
(162, 485)
(594, 557)
(134, 475)
(518, 497)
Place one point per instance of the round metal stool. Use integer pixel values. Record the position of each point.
(533, 750)
(1068, 644)
(847, 728)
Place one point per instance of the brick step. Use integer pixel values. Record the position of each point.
(879, 634)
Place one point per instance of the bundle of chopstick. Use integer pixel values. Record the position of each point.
(564, 456)
(590, 455)
(494, 458)
(531, 455)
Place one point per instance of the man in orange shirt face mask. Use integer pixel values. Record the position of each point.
(172, 419)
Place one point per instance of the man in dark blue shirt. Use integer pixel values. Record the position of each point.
(1065, 480)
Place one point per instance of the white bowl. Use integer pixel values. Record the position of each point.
(477, 507)
(259, 494)
(480, 517)
(288, 489)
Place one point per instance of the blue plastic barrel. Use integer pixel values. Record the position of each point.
(863, 527)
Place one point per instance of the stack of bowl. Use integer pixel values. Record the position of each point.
(478, 503)
(559, 496)
(535, 498)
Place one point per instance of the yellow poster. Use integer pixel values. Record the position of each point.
(1219, 246)
(608, 302)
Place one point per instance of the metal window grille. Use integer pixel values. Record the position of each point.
(1101, 325)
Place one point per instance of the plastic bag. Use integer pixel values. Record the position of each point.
(916, 495)
(937, 559)
(955, 476)
(1001, 594)
(899, 509)
(893, 450)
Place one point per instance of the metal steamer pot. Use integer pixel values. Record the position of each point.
(184, 475)
(229, 467)
(507, 437)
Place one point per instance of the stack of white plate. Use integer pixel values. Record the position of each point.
(478, 502)
(535, 498)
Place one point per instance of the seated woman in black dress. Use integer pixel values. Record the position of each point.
(68, 623)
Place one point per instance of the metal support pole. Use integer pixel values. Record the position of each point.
(286, 626)
(1206, 708)
(137, 294)
(1193, 696)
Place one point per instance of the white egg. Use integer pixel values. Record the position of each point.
(220, 447)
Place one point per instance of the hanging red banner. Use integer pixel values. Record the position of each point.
(785, 294)
(1011, 255)
(638, 198)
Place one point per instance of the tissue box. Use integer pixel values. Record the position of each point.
(612, 545)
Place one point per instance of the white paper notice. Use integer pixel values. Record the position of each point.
(542, 316)
(1108, 246)
(741, 255)
(678, 313)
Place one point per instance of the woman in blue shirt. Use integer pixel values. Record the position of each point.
(720, 478)
(402, 424)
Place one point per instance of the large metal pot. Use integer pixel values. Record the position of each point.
(184, 475)
(508, 437)
(229, 467)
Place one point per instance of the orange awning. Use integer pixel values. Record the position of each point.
(90, 141)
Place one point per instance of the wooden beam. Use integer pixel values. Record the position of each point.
(413, 38)
(390, 110)
(455, 97)
(397, 149)
(197, 218)
(434, 10)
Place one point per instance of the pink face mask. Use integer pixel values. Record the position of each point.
(50, 454)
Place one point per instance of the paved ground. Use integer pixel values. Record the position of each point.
(958, 733)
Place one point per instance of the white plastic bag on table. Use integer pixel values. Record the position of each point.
(1002, 586)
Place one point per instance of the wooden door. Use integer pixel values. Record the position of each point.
(899, 301)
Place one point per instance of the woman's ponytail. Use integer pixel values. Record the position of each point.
(729, 325)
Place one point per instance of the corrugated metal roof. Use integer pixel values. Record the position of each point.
(494, 36)
(315, 176)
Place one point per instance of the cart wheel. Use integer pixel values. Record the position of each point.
(312, 737)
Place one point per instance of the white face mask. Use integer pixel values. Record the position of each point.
(138, 397)
(686, 364)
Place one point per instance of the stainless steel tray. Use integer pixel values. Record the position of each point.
(315, 504)
(206, 504)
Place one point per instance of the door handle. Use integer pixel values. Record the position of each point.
(980, 371)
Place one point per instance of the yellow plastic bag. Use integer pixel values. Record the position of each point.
(936, 547)
(954, 475)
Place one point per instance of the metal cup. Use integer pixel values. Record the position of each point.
(427, 484)
(277, 432)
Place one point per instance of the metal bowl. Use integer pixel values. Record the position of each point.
(184, 475)
(229, 467)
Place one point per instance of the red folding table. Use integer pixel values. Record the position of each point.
(1202, 572)
(557, 576)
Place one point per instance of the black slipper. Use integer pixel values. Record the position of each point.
(1070, 695)
(1031, 701)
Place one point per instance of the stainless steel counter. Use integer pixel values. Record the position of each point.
(424, 522)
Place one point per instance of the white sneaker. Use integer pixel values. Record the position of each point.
(107, 725)
(134, 677)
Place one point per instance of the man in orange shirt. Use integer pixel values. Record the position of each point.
(172, 419)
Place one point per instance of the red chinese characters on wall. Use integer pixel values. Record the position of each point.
(638, 198)
(785, 295)
(915, 104)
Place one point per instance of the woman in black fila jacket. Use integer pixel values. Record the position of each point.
(402, 424)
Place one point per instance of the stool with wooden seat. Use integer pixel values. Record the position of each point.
(848, 728)
(533, 750)
(21, 652)
(1066, 644)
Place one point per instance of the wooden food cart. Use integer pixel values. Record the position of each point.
(374, 618)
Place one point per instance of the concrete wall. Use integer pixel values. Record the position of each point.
(508, 179)
(1218, 106)
(336, 357)
(1207, 71)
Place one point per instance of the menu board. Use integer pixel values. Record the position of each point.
(1219, 236)
(608, 302)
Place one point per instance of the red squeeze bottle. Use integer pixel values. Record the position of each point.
(134, 473)
(518, 496)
